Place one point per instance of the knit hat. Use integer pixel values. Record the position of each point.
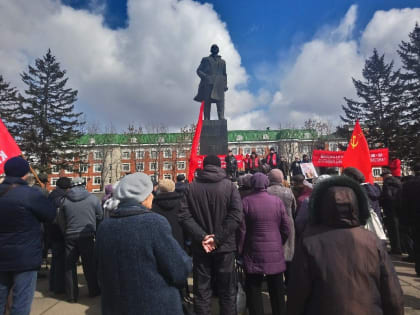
(180, 177)
(63, 183)
(16, 167)
(354, 174)
(212, 160)
(259, 181)
(77, 181)
(386, 171)
(136, 187)
(276, 176)
(166, 185)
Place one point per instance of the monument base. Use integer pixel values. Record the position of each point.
(214, 137)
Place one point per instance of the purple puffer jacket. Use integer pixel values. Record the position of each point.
(262, 233)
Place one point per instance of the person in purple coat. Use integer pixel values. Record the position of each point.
(262, 234)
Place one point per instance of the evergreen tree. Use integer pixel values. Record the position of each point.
(9, 105)
(410, 56)
(49, 122)
(379, 108)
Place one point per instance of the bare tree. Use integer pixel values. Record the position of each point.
(183, 141)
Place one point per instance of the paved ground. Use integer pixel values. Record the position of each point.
(49, 304)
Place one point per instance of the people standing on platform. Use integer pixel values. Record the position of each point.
(340, 267)
(273, 158)
(305, 159)
(58, 259)
(22, 210)
(284, 167)
(254, 164)
(262, 234)
(211, 211)
(81, 212)
(231, 166)
(411, 205)
(246, 163)
(390, 200)
(277, 188)
(295, 167)
(141, 267)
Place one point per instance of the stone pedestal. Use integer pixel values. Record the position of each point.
(214, 137)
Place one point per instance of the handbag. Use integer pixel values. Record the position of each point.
(374, 225)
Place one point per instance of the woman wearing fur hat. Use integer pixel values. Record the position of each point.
(340, 267)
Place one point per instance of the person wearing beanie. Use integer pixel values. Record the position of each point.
(180, 184)
(22, 210)
(277, 188)
(79, 215)
(211, 211)
(263, 232)
(140, 265)
(338, 258)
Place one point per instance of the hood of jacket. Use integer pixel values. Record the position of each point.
(167, 200)
(77, 193)
(211, 174)
(339, 202)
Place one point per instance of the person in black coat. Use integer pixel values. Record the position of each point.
(141, 267)
(22, 209)
(211, 211)
(167, 203)
(231, 166)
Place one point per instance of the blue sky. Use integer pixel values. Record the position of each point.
(134, 61)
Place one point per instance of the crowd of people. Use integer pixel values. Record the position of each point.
(138, 245)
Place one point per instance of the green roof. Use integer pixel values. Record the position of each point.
(233, 136)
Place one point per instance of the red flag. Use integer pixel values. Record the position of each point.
(357, 154)
(194, 147)
(8, 146)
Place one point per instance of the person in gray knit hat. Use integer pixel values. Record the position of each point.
(140, 264)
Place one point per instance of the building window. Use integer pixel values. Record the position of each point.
(247, 151)
(167, 176)
(180, 165)
(266, 137)
(68, 169)
(153, 154)
(153, 178)
(97, 180)
(54, 181)
(153, 166)
(167, 154)
(181, 153)
(98, 155)
(97, 168)
(125, 167)
(260, 151)
(125, 155)
(239, 137)
(55, 169)
(140, 154)
(140, 167)
(376, 171)
(85, 179)
(84, 168)
(110, 180)
(84, 156)
(167, 166)
(133, 140)
(234, 151)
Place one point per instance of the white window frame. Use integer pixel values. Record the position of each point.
(142, 167)
(123, 165)
(154, 152)
(85, 179)
(167, 176)
(260, 151)
(94, 180)
(247, 150)
(96, 190)
(167, 166)
(125, 155)
(53, 181)
(181, 168)
(55, 169)
(82, 168)
(84, 156)
(181, 153)
(156, 166)
(139, 154)
(235, 150)
(98, 155)
(95, 168)
(167, 154)
(69, 171)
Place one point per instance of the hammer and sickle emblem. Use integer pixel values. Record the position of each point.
(354, 142)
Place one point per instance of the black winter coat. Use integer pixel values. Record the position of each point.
(211, 205)
(168, 204)
(411, 202)
(390, 199)
(140, 265)
(22, 209)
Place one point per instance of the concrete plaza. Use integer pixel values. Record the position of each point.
(46, 303)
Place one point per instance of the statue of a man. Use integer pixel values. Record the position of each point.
(213, 84)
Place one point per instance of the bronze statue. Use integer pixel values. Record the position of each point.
(213, 84)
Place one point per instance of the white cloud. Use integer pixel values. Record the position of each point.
(145, 73)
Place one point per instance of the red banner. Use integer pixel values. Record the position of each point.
(239, 159)
(8, 146)
(194, 147)
(320, 158)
